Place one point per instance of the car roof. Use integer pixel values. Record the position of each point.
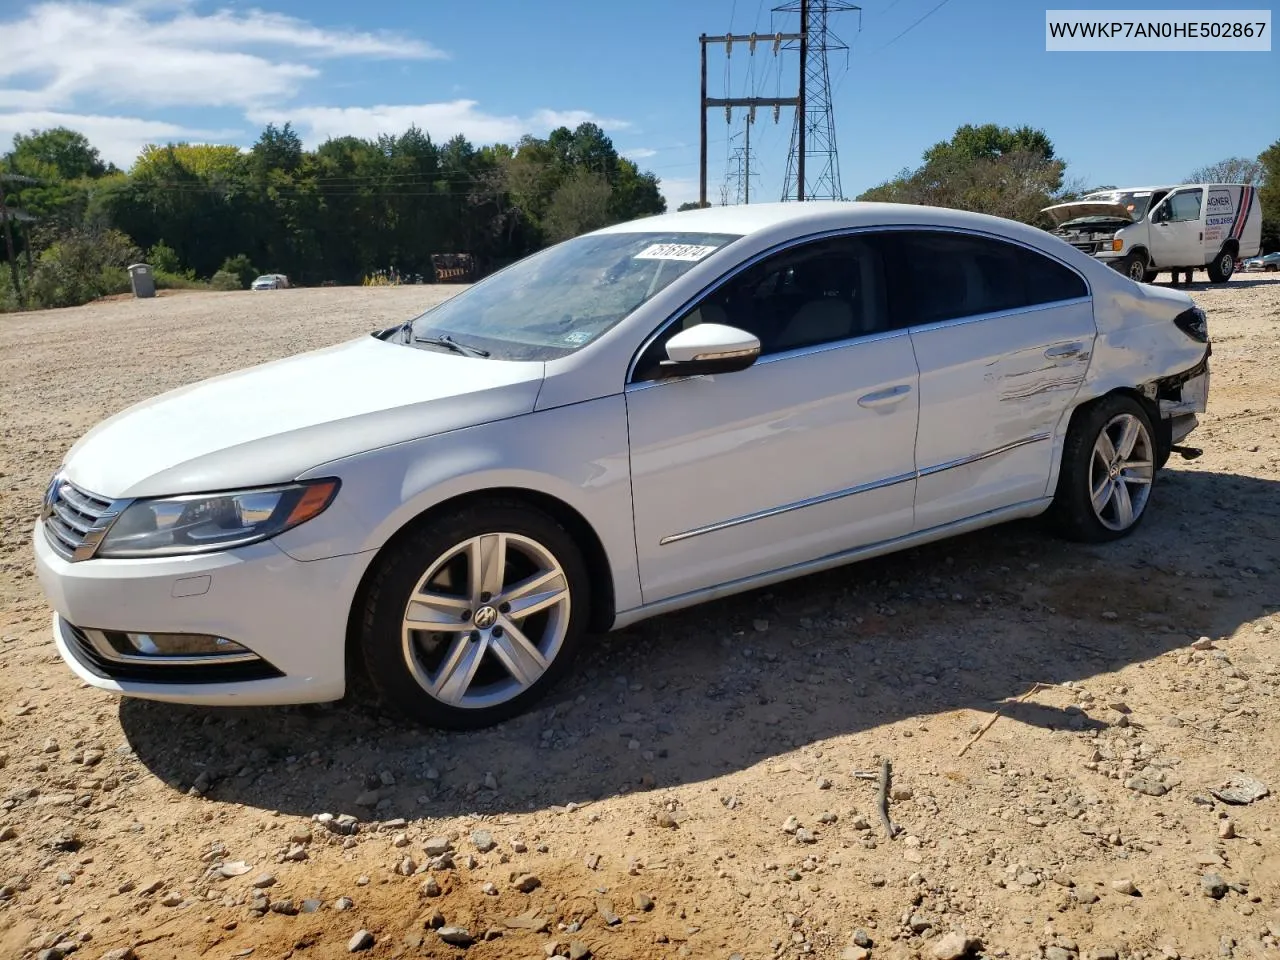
(747, 219)
(780, 222)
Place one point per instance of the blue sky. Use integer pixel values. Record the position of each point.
(130, 72)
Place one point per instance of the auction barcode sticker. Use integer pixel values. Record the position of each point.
(674, 251)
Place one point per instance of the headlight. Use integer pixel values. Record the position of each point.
(169, 526)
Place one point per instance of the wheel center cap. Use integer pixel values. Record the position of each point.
(486, 617)
(1114, 471)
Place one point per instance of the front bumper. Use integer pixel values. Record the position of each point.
(291, 614)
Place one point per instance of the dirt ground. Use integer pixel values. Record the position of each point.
(703, 785)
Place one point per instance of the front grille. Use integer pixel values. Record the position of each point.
(74, 519)
(137, 670)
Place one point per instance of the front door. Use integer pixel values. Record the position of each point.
(1177, 233)
(806, 453)
(1003, 337)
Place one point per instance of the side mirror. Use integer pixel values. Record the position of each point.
(709, 348)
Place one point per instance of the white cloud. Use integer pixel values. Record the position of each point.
(441, 120)
(118, 139)
(639, 153)
(678, 190)
(161, 54)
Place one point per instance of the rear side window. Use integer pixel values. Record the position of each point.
(945, 276)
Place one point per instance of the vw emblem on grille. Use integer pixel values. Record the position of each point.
(486, 617)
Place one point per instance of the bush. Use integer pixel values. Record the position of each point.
(241, 267)
(225, 280)
(163, 259)
(185, 280)
(80, 266)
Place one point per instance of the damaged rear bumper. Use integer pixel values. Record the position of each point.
(1180, 398)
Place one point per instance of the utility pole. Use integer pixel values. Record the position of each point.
(814, 136)
(803, 108)
(751, 39)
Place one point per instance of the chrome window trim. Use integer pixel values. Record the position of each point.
(849, 232)
(916, 474)
(996, 315)
(792, 354)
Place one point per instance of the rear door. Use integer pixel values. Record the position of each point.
(1003, 336)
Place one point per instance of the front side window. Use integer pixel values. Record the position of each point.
(818, 292)
(1185, 205)
(557, 301)
(939, 275)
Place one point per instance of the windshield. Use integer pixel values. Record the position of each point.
(1136, 202)
(557, 301)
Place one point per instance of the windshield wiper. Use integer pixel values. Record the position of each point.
(446, 341)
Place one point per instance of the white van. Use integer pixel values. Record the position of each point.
(1143, 231)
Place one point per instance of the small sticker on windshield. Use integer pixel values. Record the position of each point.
(674, 251)
(577, 337)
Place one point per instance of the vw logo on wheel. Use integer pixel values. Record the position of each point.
(486, 617)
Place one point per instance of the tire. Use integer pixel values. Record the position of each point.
(1134, 266)
(1086, 470)
(1150, 276)
(520, 656)
(1270, 268)
(1222, 267)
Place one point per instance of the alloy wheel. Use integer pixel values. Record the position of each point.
(486, 620)
(1121, 471)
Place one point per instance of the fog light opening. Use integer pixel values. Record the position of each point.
(182, 645)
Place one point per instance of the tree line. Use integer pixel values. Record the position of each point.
(353, 208)
(349, 208)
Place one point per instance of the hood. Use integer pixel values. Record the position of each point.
(1063, 212)
(270, 423)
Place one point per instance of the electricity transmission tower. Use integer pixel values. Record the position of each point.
(813, 163)
(738, 176)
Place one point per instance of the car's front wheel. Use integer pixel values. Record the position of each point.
(1108, 469)
(1134, 266)
(474, 615)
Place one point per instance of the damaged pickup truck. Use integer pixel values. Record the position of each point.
(1143, 231)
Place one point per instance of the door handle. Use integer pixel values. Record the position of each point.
(1064, 351)
(881, 398)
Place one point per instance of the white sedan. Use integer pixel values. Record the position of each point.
(636, 420)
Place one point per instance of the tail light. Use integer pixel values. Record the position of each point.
(1194, 324)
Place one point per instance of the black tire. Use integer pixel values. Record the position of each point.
(382, 644)
(1222, 267)
(1072, 512)
(1134, 266)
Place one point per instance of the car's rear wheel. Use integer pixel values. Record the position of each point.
(475, 615)
(1108, 470)
(1222, 267)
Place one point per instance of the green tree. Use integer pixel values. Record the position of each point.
(579, 205)
(56, 154)
(1005, 172)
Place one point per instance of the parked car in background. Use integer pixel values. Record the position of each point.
(1268, 263)
(270, 281)
(1145, 231)
(639, 419)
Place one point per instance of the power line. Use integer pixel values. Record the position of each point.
(916, 24)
